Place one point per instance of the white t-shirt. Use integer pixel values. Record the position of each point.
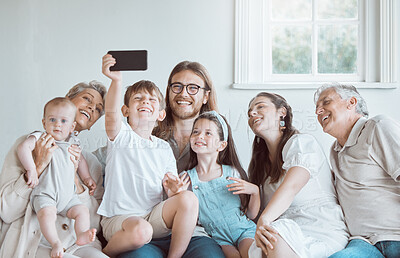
(134, 171)
(303, 150)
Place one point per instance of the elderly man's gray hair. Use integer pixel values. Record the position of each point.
(345, 92)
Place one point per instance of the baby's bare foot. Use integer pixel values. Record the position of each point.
(57, 250)
(86, 237)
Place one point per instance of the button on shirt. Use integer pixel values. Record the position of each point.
(367, 172)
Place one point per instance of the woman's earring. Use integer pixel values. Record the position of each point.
(257, 139)
(282, 123)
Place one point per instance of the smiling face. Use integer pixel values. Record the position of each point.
(58, 120)
(205, 138)
(334, 113)
(264, 116)
(143, 109)
(89, 104)
(183, 105)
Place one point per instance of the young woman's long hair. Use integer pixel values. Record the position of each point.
(228, 156)
(261, 167)
(164, 128)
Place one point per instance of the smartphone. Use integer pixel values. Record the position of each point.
(129, 60)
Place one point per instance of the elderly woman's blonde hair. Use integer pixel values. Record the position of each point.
(95, 85)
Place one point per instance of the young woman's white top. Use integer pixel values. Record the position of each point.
(313, 225)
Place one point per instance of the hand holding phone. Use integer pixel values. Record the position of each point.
(107, 62)
(129, 60)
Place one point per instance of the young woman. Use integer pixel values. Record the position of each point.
(301, 216)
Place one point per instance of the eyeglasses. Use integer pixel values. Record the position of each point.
(191, 88)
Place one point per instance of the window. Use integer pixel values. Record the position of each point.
(302, 43)
(307, 40)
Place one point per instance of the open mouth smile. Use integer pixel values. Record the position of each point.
(183, 102)
(144, 109)
(201, 144)
(85, 114)
(324, 120)
(256, 120)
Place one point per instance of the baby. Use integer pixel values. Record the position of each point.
(55, 192)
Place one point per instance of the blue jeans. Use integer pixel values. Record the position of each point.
(358, 248)
(199, 247)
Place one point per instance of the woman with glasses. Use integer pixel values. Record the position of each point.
(190, 92)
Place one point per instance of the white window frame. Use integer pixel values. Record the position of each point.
(380, 20)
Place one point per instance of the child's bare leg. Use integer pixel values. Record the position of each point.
(183, 209)
(84, 235)
(244, 247)
(135, 233)
(230, 251)
(47, 220)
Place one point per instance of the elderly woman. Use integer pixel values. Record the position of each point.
(20, 234)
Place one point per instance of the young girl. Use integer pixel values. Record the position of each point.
(301, 216)
(220, 184)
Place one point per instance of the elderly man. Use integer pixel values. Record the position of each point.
(365, 159)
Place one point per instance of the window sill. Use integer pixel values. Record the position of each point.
(309, 85)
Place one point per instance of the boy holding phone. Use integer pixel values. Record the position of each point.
(138, 166)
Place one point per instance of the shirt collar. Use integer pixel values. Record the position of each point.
(354, 134)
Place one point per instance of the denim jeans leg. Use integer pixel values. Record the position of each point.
(358, 248)
(390, 249)
(157, 248)
(201, 247)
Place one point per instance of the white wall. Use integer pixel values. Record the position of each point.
(48, 46)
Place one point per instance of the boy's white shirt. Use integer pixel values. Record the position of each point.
(135, 168)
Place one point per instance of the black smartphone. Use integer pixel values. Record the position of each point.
(129, 60)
